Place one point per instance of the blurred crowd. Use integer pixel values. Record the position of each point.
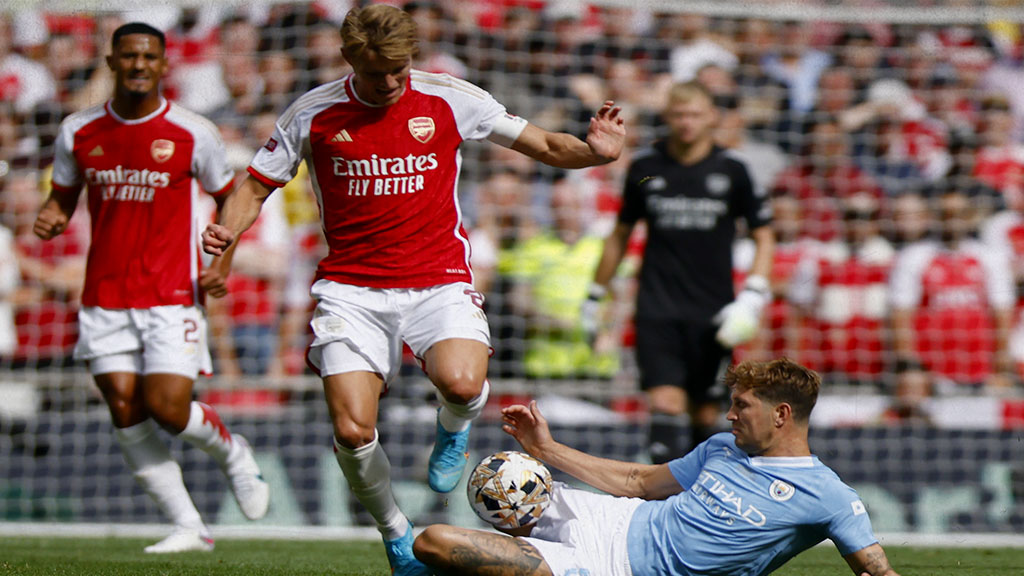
(892, 153)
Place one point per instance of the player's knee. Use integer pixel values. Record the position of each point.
(171, 417)
(352, 435)
(459, 386)
(667, 400)
(429, 545)
(125, 412)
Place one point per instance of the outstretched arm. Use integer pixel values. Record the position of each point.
(528, 426)
(870, 561)
(605, 138)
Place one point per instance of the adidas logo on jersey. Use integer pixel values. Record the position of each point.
(342, 136)
(97, 151)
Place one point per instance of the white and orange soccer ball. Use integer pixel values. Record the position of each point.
(509, 489)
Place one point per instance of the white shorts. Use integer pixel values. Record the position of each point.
(362, 329)
(584, 534)
(158, 340)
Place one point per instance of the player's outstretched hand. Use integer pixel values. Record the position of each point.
(216, 239)
(607, 132)
(50, 222)
(528, 426)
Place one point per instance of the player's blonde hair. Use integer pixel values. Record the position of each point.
(687, 91)
(778, 381)
(380, 28)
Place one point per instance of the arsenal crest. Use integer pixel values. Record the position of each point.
(422, 129)
(162, 150)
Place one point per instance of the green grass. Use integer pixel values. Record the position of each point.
(825, 560)
(124, 557)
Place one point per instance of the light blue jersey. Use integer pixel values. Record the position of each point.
(743, 515)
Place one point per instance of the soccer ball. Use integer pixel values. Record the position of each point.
(509, 489)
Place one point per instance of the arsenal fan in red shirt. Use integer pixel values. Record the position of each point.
(142, 330)
(382, 145)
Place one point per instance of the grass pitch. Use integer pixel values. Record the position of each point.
(124, 557)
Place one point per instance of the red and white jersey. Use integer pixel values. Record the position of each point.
(845, 291)
(386, 177)
(1003, 169)
(953, 294)
(143, 179)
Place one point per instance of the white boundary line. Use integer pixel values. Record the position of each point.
(86, 530)
(312, 533)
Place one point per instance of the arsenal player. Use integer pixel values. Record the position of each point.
(142, 330)
(383, 148)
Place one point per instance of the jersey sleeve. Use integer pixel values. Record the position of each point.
(905, 289)
(277, 161)
(633, 208)
(210, 163)
(687, 469)
(803, 286)
(752, 203)
(66, 173)
(506, 129)
(999, 285)
(476, 112)
(482, 113)
(849, 526)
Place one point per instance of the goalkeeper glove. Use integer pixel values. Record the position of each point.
(739, 320)
(590, 312)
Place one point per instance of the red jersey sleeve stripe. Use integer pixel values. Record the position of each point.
(227, 188)
(59, 189)
(266, 181)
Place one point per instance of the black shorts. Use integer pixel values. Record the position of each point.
(682, 354)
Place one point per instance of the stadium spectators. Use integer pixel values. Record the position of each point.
(554, 269)
(914, 105)
(822, 176)
(47, 300)
(23, 81)
(838, 292)
(952, 300)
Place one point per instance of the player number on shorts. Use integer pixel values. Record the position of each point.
(191, 331)
(476, 297)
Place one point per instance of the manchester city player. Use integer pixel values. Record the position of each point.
(742, 503)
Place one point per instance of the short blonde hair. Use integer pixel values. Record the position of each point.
(778, 381)
(388, 31)
(687, 91)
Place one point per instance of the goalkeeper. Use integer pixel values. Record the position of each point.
(742, 503)
(690, 192)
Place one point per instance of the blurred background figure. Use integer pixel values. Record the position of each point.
(694, 197)
(822, 176)
(550, 285)
(49, 294)
(952, 299)
(505, 221)
(838, 292)
(911, 388)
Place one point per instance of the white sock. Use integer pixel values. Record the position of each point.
(206, 431)
(457, 417)
(368, 472)
(149, 459)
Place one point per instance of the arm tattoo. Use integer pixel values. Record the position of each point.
(876, 563)
(489, 555)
